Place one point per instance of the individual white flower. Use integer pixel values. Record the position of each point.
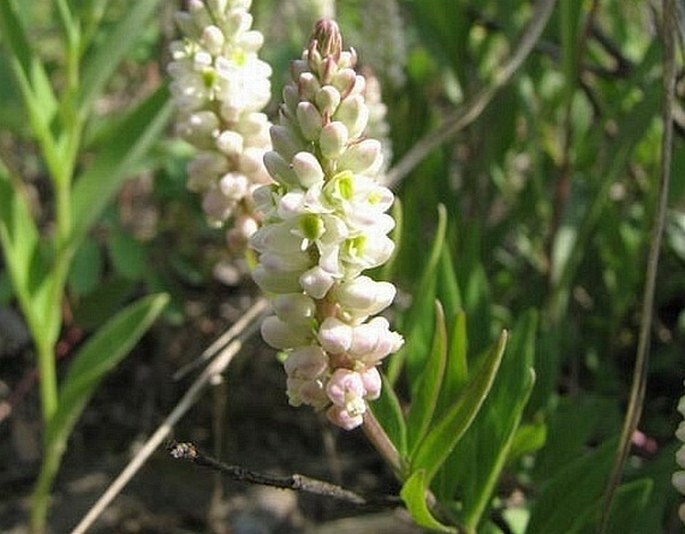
(219, 86)
(325, 222)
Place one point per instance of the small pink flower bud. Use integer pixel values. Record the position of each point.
(342, 418)
(217, 206)
(335, 336)
(345, 388)
(234, 185)
(276, 281)
(291, 97)
(213, 38)
(306, 362)
(282, 335)
(361, 157)
(327, 100)
(372, 383)
(316, 282)
(284, 141)
(310, 120)
(294, 307)
(354, 114)
(308, 86)
(344, 80)
(278, 168)
(311, 392)
(333, 139)
(365, 296)
(230, 143)
(307, 168)
(373, 341)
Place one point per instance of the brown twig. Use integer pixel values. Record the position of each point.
(296, 482)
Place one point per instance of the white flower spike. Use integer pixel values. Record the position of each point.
(324, 224)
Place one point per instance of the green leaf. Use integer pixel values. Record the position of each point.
(413, 494)
(25, 260)
(423, 404)
(418, 324)
(445, 434)
(388, 412)
(100, 354)
(86, 268)
(575, 491)
(121, 152)
(529, 438)
(129, 256)
(111, 50)
(456, 370)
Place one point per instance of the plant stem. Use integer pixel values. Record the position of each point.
(639, 384)
(380, 440)
(40, 498)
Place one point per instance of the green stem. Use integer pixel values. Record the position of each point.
(382, 443)
(40, 498)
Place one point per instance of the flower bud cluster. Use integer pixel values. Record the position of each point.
(220, 87)
(678, 478)
(324, 224)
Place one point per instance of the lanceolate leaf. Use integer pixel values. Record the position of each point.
(445, 434)
(113, 49)
(126, 145)
(423, 404)
(97, 357)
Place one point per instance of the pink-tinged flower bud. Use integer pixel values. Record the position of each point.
(199, 128)
(344, 80)
(230, 143)
(234, 185)
(333, 139)
(327, 38)
(345, 388)
(358, 86)
(281, 263)
(327, 100)
(217, 206)
(335, 336)
(291, 97)
(342, 418)
(316, 282)
(306, 362)
(361, 157)
(278, 168)
(204, 169)
(282, 335)
(363, 296)
(213, 39)
(307, 168)
(295, 307)
(310, 121)
(291, 205)
(276, 282)
(373, 341)
(297, 68)
(354, 114)
(251, 41)
(310, 392)
(373, 383)
(285, 141)
(308, 86)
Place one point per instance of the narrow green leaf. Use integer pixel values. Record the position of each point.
(109, 53)
(86, 268)
(423, 405)
(413, 494)
(100, 354)
(388, 412)
(25, 260)
(126, 145)
(445, 434)
(418, 324)
(456, 371)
